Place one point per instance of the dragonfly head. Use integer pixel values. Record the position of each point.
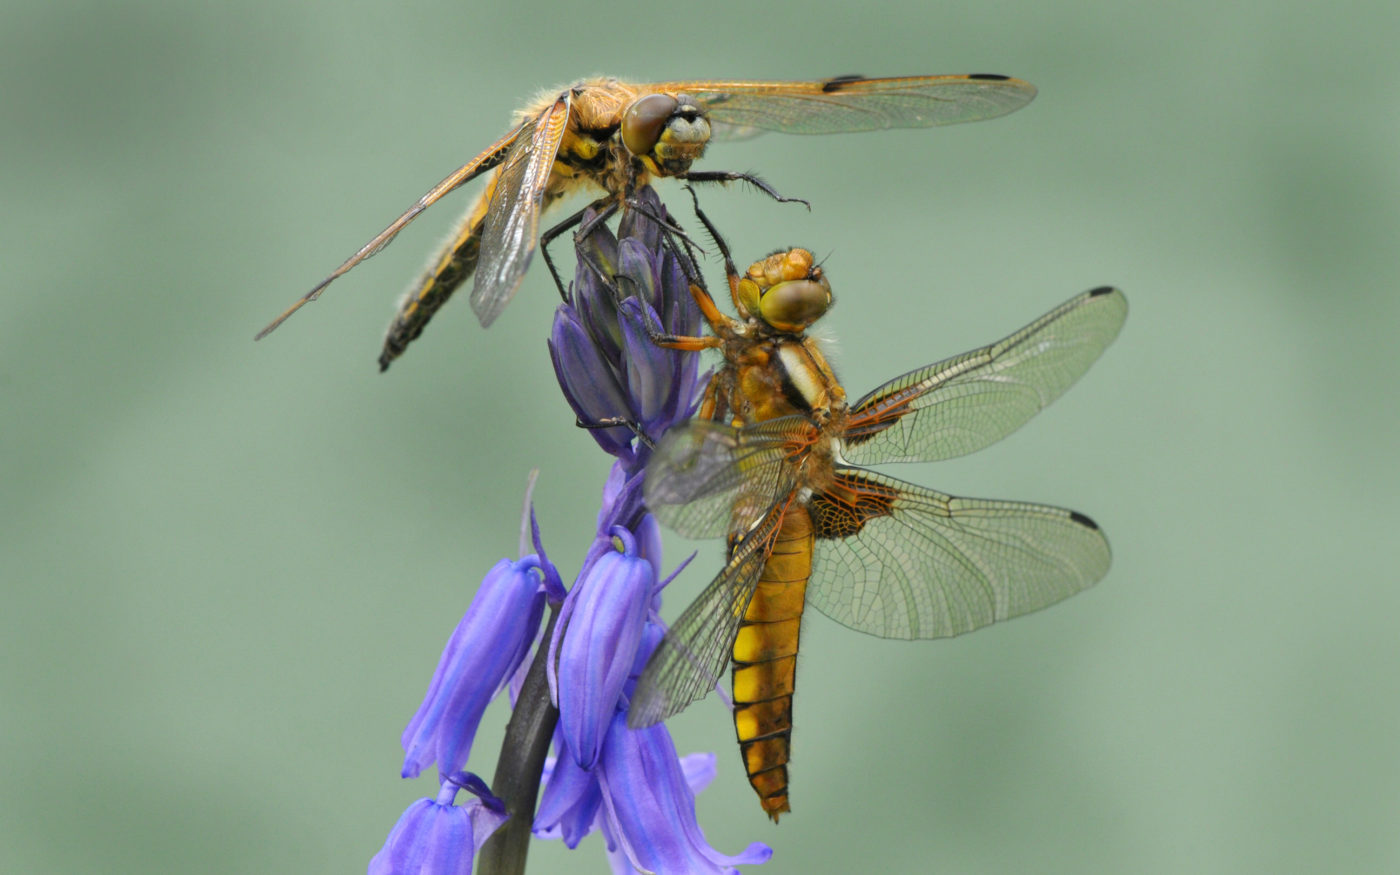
(665, 132)
(786, 291)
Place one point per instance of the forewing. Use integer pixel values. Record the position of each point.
(513, 215)
(691, 658)
(842, 104)
(488, 159)
(969, 401)
(900, 561)
(708, 479)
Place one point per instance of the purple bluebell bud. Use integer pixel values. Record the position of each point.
(591, 383)
(488, 644)
(438, 837)
(607, 363)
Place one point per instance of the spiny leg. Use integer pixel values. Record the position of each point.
(605, 206)
(731, 273)
(603, 210)
(722, 176)
(614, 422)
(658, 334)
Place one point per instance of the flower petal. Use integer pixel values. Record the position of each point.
(488, 644)
(606, 609)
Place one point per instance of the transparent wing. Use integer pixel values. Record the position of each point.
(853, 103)
(494, 154)
(708, 479)
(691, 658)
(900, 561)
(513, 216)
(972, 400)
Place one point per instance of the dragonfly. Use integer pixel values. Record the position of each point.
(771, 463)
(612, 135)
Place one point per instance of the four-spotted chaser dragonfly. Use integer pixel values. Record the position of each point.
(770, 462)
(615, 135)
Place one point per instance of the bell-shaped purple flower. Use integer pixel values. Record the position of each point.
(569, 806)
(488, 644)
(649, 806)
(437, 837)
(596, 639)
(639, 794)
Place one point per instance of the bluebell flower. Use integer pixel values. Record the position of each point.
(484, 650)
(641, 796)
(607, 365)
(650, 806)
(601, 623)
(439, 837)
(630, 785)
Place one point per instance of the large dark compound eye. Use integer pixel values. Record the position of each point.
(792, 306)
(644, 121)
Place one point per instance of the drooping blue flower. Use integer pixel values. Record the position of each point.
(488, 644)
(601, 624)
(569, 806)
(439, 837)
(642, 797)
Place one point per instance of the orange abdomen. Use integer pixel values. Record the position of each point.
(765, 661)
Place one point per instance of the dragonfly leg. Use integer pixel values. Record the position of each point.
(658, 333)
(722, 176)
(731, 273)
(605, 207)
(613, 422)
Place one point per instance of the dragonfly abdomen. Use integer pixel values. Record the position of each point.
(765, 661)
(453, 266)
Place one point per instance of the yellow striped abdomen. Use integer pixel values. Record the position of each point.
(453, 266)
(765, 661)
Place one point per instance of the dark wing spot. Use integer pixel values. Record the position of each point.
(842, 517)
(989, 77)
(1101, 290)
(835, 83)
(1083, 520)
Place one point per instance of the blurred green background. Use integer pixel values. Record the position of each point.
(229, 568)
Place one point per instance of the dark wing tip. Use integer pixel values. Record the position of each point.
(1100, 291)
(836, 83)
(1083, 520)
(989, 77)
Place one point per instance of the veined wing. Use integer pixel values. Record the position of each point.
(709, 479)
(972, 400)
(513, 216)
(854, 103)
(494, 155)
(689, 661)
(900, 561)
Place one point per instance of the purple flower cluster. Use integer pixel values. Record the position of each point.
(628, 784)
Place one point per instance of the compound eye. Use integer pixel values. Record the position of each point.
(792, 306)
(644, 121)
